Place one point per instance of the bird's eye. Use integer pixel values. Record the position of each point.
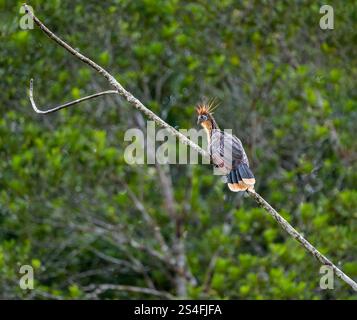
(204, 117)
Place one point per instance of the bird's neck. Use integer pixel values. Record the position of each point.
(210, 125)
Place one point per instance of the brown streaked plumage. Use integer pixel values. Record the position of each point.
(226, 150)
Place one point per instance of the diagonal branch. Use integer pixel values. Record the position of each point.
(125, 94)
(68, 104)
(298, 237)
(151, 115)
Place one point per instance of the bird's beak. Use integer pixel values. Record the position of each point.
(199, 120)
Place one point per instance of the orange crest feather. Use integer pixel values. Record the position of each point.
(207, 107)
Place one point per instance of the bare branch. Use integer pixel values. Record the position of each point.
(118, 237)
(46, 295)
(151, 115)
(143, 269)
(68, 104)
(116, 261)
(97, 290)
(151, 222)
(298, 237)
(125, 94)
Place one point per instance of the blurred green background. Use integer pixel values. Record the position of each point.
(93, 226)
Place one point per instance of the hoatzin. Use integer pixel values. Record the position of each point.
(226, 151)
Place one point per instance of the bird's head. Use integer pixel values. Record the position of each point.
(205, 112)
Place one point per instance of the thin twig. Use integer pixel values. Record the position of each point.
(68, 104)
(151, 115)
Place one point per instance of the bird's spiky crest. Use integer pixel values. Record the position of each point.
(207, 107)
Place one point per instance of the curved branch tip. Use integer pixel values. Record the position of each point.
(68, 104)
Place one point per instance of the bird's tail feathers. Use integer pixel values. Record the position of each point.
(241, 178)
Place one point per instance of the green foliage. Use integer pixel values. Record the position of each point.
(287, 89)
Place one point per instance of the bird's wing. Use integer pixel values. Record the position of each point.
(227, 150)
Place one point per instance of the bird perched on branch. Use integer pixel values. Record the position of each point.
(226, 151)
